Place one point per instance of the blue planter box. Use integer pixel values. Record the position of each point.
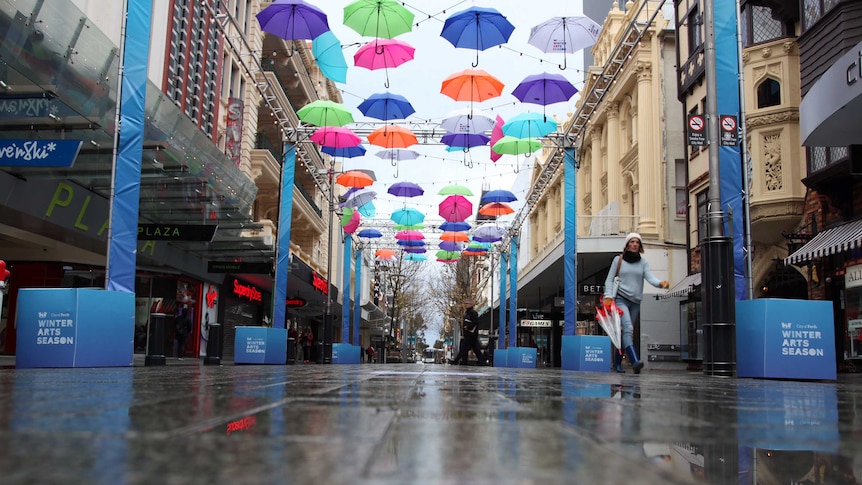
(260, 345)
(74, 327)
(790, 339)
(586, 353)
(345, 354)
(501, 357)
(524, 357)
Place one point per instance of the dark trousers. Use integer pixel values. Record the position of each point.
(470, 342)
(181, 344)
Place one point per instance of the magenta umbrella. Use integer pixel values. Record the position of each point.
(335, 137)
(455, 208)
(409, 235)
(383, 54)
(352, 224)
(496, 134)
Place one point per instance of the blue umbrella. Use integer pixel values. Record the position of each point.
(293, 19)
(407, 217)
(454, 227)
(412, 244)
(386, 106)
(348, 152)
(367, 210)
(477, 28)
(497, 196)
(416, 250)
(369, 233)
(415, 257)
(330, 58)
(465, 140)
(529, 125)
(405, 189)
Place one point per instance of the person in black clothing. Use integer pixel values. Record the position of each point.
(471, 336)
(184, 327)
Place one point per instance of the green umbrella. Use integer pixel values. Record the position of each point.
(455, 190)
(378, 18)
(325, 113)
(509, 145)
(448, 255)
(346, 216)
(412, 227)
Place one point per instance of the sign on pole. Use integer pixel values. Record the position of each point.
(696, 131)
(729, 131)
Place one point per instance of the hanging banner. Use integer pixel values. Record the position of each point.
(570, 242)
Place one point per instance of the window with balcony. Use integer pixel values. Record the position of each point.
(768, 93)
(814, 10)
(759, 26)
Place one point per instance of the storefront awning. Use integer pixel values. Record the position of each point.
(684, 287)
(831, 241)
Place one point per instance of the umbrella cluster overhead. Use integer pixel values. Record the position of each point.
(478, 29)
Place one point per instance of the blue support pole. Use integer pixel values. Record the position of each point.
(570, 244)
(513, 293)
(503, 262)
(282, 258)
(126, 186)
(345, 296)
(357, 295)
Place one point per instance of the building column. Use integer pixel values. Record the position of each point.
(596, 170)
(614, 171)
(647, 164)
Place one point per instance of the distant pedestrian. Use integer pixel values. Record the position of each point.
(183, 329)
(470, 328)
(370, 353)
(632, 270)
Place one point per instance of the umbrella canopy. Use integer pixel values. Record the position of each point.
(467, 121)
(509, 145)
(378, 18)
(397, 154)
(477, 28)
(489, 234)
(403, 227)
(564, 34)
(392, 137)
(455, 208)
(386, 106)
(293, 19)
(405, 189)
(353, 224)
(448, 255)
(529, 125)
(335, 137)
(409, 235)
(367, 210)
(454, 237)
(385, 254)
(325, 113)
(345, 152)
(360, 198)
(327, 51)
(544, 89)
(451, 246)
(496, 209)
(455, 190)
(415, 257)
(369, 233)
(411, 243)
(497, 196)
(414, 250)
(354, 178)
(471, 85)
(496, 134)
(455, 226)
(407, 217)
(383, 53)
(346, 216)
(465, 140)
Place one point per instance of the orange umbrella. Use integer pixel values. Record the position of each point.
(451, 236)
(496, 209)
(354, 178)
(391, 137)
(472, 85)
(385, 254)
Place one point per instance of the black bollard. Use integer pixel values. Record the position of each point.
(214, 345)
(291, 350)
(156, 343)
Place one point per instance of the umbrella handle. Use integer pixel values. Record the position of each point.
(562, 66)
(476, 64)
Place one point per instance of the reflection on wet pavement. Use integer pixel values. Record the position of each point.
(419, 423)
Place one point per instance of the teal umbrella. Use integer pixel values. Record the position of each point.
(408, 217)
(330, 58)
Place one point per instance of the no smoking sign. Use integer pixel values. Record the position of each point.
(729, 131)
(696, 130)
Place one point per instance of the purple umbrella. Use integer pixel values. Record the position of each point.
(465, 140)
(412, 243)
(387, 106)
(415, 250)
(451, 246)
(544, 89)
(454, 226)
(405, 189)
(293, 19)
(346, 152)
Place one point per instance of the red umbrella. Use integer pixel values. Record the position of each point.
(496, 209)
(455, 208)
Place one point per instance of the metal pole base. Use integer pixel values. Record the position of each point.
(719, 307)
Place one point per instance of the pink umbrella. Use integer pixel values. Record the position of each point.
(383, 54)
(335, 137)
(409, 235)
(496, 134)
(455, 208)
(351, 225)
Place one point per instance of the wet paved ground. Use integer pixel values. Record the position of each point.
(415, 423)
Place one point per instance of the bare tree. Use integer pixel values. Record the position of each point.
(456, 283)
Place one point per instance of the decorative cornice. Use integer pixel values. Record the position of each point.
(643, 71)
(788, 116)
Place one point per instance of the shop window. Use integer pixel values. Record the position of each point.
(768, 93)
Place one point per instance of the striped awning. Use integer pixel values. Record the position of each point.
(831, 241)
(684, 287)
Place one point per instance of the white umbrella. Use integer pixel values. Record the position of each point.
(360, 198)
(609, 319)
(565, 35)
(397, 154)
(467, 121)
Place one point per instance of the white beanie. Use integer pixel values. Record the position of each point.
(634, 235)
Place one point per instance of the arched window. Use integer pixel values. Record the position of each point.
(768, 93)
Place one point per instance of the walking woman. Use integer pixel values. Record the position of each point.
(632, 271)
